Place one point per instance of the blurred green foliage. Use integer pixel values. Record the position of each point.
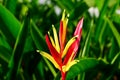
(24, 23)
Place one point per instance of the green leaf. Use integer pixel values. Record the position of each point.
(39, 41)
(100, 21)
(78, 10)
(5, 49)
(58, 76)
(63, 5)
(90, 3)
(18, 51)
(9, 25)
(11, 5)
(3, 41)
(40, 68)
(114, 30)
(113, 50)
(82, 66)
(103, 33)
(37, 37)
(115, 58)
(28, 45)
(99, 4)
(87, 42)
(5, 54)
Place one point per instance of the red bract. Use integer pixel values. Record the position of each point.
(59, 49)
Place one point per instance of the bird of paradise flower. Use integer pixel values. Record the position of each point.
(59, 49)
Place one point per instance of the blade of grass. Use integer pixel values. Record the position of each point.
(5, 49)
(102, 33)
(16, 58)
(87, 42)
(114, 30)
(5, 54)
(81, 76)
(113, 50)
(115, 58)
(100, 19)
(3, 41)
(50, 67)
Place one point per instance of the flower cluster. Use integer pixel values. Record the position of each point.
(62, 53)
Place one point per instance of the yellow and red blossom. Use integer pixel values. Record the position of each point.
(59, 49)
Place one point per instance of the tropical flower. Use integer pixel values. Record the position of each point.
(62, 53)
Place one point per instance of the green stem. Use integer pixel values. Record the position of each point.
(50, 67)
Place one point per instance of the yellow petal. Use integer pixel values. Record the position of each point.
(51, 39)
(50, 58)
(63, 15)
(68, 45)
(56, 39)
(65, 22)
(65, 68)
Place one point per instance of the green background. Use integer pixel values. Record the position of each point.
(24, 23)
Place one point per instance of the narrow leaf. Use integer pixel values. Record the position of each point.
(114, 30)
(100, 19)
(5, 54)
(37, 37)
(10, 21)
(18, 51)
(87, 42)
